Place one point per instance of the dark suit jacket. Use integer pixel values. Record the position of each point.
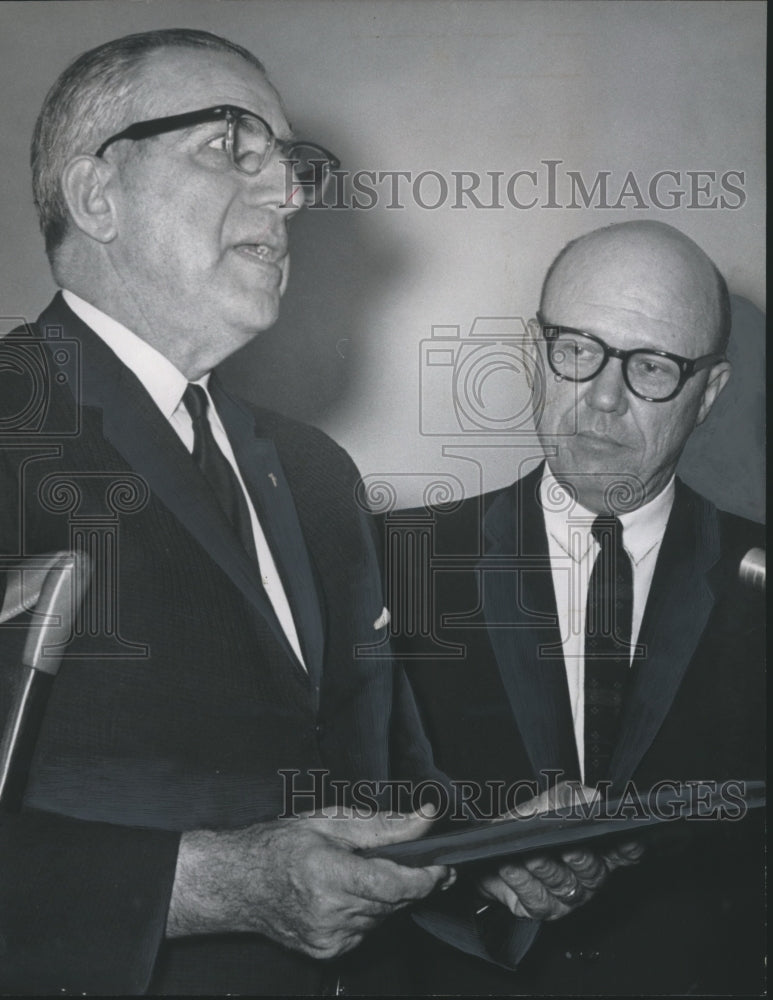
(179, 699)
(495, 702)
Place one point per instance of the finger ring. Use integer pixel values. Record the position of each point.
(570, 895)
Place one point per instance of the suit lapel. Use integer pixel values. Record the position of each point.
(520, 611)
(680, 602)
(266, 482)
(134, 426)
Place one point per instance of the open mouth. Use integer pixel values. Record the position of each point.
(261, 253)
(259, 250)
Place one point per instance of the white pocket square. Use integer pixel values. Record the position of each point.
(383, 619)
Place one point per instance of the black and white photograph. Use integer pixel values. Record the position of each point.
(382, 498)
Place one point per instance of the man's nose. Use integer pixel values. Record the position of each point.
(275, 186)
(607, 392)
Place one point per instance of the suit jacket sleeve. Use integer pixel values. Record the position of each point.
(495, 936)
(82, 904)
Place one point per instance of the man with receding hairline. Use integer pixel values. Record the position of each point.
(234, 575)
(607, 636)
(213, 674)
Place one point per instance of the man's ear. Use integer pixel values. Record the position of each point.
(534, 329)
(532, 343)
(718, 376)
(535, 366)
(84, 186)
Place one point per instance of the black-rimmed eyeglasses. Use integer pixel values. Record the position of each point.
(249, 142)
(655, 376)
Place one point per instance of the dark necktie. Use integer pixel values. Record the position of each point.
(607, 646)
(217, 469)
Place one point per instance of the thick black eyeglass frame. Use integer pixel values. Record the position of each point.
(687, 366)
(226, 112)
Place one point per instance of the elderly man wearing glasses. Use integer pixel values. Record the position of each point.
(608, 638)
(233, 574)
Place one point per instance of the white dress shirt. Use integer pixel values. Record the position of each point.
(166, 385)
(573, 552)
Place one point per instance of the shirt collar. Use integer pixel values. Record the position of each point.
(569, 523)
(164, 382)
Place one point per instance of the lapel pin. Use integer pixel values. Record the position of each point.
(272, 477)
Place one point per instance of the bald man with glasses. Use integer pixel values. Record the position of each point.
(607, 636)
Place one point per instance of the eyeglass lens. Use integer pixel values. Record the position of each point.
(577, 358)
(252, 144)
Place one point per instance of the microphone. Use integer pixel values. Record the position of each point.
(55, 589)
(751, 571)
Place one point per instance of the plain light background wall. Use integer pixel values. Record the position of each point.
(445, 86)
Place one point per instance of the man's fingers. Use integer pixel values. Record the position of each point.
(566, 794)
(494, 887)
(632, 849)
(328, 896)
(560, 880)
(624, 855)
(386, 883)
(376, 830)
(534, 898)
(547, 888)
(589, 868)
(393, 829)
(554, 875)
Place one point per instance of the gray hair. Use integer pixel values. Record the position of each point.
(88, 103)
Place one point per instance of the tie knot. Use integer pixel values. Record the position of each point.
(196, 401)
(607, 528)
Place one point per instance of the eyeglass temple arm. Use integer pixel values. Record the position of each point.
(706, 362)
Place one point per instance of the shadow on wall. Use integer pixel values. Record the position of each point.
(725, 457)
(306, 363)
